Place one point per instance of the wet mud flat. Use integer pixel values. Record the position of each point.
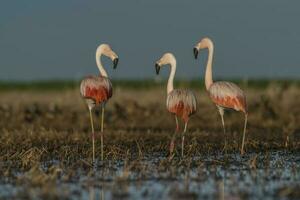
(271, 175)
(46, 151)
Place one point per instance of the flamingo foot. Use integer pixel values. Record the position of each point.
(172, 147)
(225, 148)
(242, 151)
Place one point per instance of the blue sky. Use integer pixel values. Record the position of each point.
(57, 39)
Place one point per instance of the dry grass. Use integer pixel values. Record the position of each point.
(40, 125)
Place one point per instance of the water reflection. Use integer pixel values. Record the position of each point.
(96, 193)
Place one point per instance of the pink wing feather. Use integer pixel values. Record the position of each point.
(228, 95)
(182, 103)
(97, 88)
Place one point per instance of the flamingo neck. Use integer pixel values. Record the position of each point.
(98, 61)
(170, 86)
(208, 72)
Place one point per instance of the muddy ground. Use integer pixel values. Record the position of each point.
(46, 150)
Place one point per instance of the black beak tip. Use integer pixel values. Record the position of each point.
(195, 52)
(115, 61)
(157, 68)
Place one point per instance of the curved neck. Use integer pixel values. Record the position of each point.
(99, 64)
(208, 72)
(170, 86)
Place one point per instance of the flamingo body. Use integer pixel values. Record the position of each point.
(96, 88)
(228, 95)
(182, 103)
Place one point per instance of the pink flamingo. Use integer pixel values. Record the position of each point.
(223, 94)
(96, 90)
(181, 103)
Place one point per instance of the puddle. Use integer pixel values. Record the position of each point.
(254, 176)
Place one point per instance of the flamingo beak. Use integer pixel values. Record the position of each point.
(115, 61)
(157, 68)
(196, 52)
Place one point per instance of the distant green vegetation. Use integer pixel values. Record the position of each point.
(135, 84)
(38, 85)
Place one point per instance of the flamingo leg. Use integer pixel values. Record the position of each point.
(172, 144)
(244, 134)
(182, 140)
(177, 125)
(102, 126)
(221, 111)
(287, 139)
(93, 133)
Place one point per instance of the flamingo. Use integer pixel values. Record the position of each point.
(97, 90)
(223, 94)
(180, 102)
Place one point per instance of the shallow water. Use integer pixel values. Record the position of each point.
(253, 176)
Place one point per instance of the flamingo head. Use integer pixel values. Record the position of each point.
(203, 44)
(167, 58)
(107, 51)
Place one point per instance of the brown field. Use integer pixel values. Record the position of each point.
(46, 152)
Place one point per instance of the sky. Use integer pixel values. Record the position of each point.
(57, 39)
